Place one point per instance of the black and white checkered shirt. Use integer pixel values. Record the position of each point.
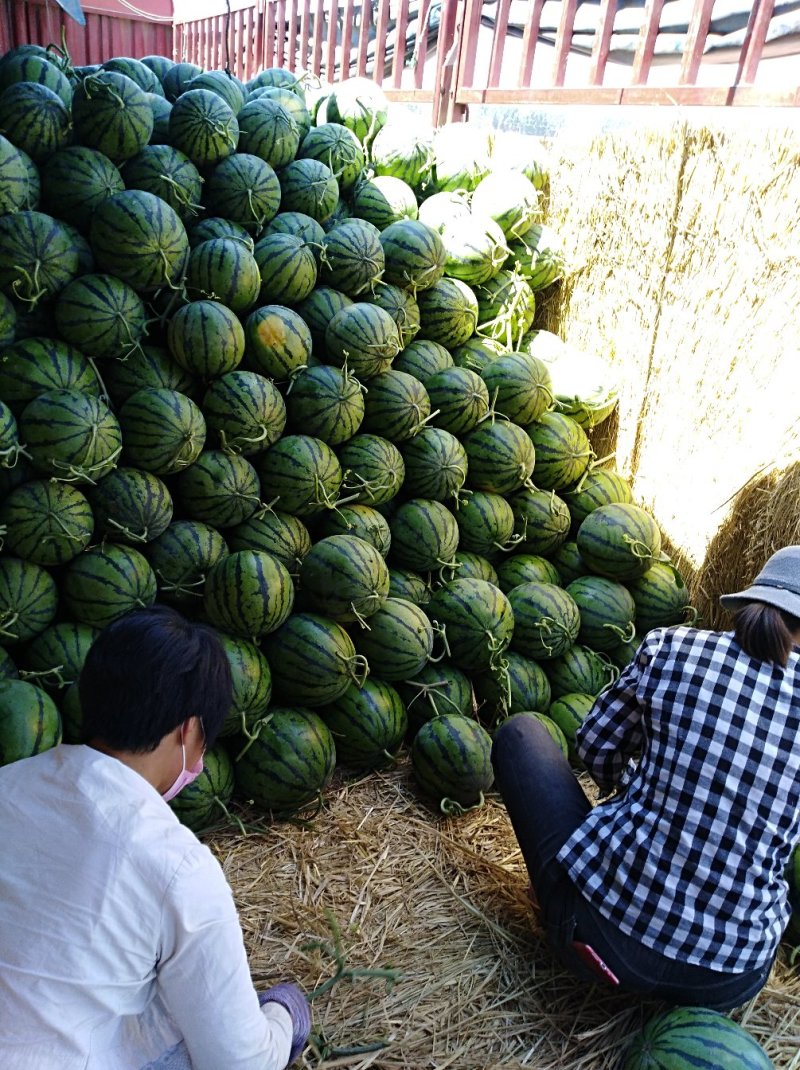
(689, 857)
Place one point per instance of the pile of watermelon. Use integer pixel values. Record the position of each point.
(270, 358)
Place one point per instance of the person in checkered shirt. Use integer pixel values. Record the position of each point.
(673, 885)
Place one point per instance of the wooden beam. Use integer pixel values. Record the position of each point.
(647, 41)
(755, 38)
(564, 40)
(602, 41)
(696, 38)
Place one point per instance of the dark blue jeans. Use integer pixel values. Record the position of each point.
(546, 804)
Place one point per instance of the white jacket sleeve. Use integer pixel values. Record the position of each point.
(204, 979)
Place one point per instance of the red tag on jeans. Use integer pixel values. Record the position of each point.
(590, 958)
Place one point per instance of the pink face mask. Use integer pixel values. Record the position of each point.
(185, 777)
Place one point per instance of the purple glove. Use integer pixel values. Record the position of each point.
(291, 998)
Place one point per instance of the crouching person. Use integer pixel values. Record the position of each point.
(120, 946)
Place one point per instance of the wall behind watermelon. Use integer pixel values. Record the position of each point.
(685, 244)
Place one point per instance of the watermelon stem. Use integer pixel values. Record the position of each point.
(625, 634)
(16, 450)
(134, 535)
(83, 473)
(357, 668)
(181, 195)
(454, 809)
(440, 630)
(233, 818)
(183, 589)
(7, 621)
(334, 949)
(53, 675)
(638, 548)
(104, 394)
(35, 292)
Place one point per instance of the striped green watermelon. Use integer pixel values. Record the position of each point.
(660, 597)
(290, 99)
(358, 103)
(684, 1038)
(280, 534)
(162, 109)
(34, 366)
(29, 721)
(159, 65)
(384, 200)
(476, 249)
(107, 581)
(448, 312)
(10, 447)
(28, 600)
(373, 469)
(398, 642)
(224, 270)
(485, 523)
(301, 475)
(248, 593)
(226, 86)
(368, 724)
(451, 759)
(539, 256)
(112, 114)
(35, 119)
(469, 566)
(37, 257)
(459, 400)
(288, 268)
(220, 489)
(267, 130)
(525, 568)
(252, 686)
(313, 659)
(462, 157)
(435, 464)
(424, 535)
(546, 620)
(244, 412)
(363, 337)
(344, 578)
(423, 359)
(182, 557)
(206, 338)
(476, 353)
(607, 610)
(623, 655)
(169, 174)
(325, 402)
(402, 151)
(541, 520)
(86, 262)
(216, 227)
(101, 315)
(435, 690)
(137, 71)
(46, 522)
(35, 68)
(245, 189)
(396, 405)
(310, 187)
(563, 451)
(351, 259)
(8, 323)
(164, 431)
(598, 487)
(408, 585)
(138, 237)
(402, 307)
(177, 78)
(519, 386)
(337, 147)
(275, 77)
(277, 341)
(302, 226)
(146, 367)
(360, 520)
(500, 457)
(510, 199)
(55, 657)
(206, 799)
(619, 541)
(204, 127)
(477, 619)
(414, 254)
(130, 506)
(568, 562)
(569, 712)
(76, 180)
(289, 764)
(515, 685)
(20, 181)
(506, 307)
(579, 669)
(70, 435)
(444, 209)
(318, 310)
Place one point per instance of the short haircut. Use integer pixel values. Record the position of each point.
(765, 632)
(146, 673)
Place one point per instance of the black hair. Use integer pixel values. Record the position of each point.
(146, 673)
(765, 632)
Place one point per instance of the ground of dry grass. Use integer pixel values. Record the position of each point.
(440, 902)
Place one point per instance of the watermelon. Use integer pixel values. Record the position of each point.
(301, 226)
(217, 227)
(226, 86)
(288, 268)
(37, 257)
(563, 451)
(541, 520)
(310, 187)
(598, 487)
(579, 669)
(177, 78)
(289, 764)
(112, 114)
(621, 656)
(584, 384)
(220, 489)
(402, 151)
(55, 657)
(337, 147)
(181, 558)
(459, 399)
(414, 255)
(461, 157)
(435, 690)
(500, 457)
(70, 435)
(398, 642)
(607, 611)
(435, 464)
(293, 102)
(29, 721)
(206, 339)
(203, 127)
(76, 180)
(448, 312)
(423, 359)
(619, 541)
(408, 585)
(225, 270)
(443, 210)
(130, 506)
(684, 1038)
(159, 65)
(468, 566)
(20, 182)
(660, 598)
(506, 307)
(105, 582)
(396, 405)
(276, 77)
(206, 798)
(28, 600)
(248, 593)
(485, 523)
(137, 71)
(162, 109)
(101, 316)
(451, 759)
(146, 367)
(373, 467)
(477, 619)
(46, 522)
(267, 130)
(525, 568)
(35, 366)
(384, 200)
(245, 412)
(519, 386)
(325, 402)
(510, 199)
(8, 322)
(302, 474)
(515, 685)
(245, 189)
(138, 237)
(539, 256)
(10, 447)
(35, 119)
(344, 578)
(546, 620)
(169, 174)
(38, 69)
(568, 562)
(360, 520)
(279, 534)
(569, 712)
(475, 247)
(313, 659)
(424, 535)
(252, 686)
(402, 307)
(351, 258)
(164, 431)
(277, 341)
(364, 338)
(367, 723)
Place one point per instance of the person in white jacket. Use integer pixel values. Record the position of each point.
(120, 945)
